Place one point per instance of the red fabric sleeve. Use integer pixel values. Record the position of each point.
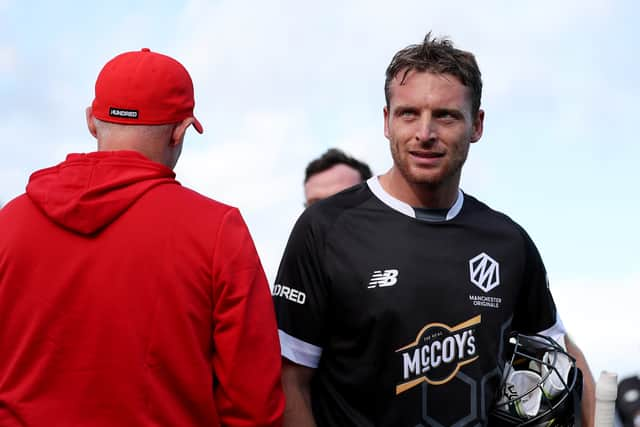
(246, 358)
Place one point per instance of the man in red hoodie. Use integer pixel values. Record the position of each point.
(125, 298)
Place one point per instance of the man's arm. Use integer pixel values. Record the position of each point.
(296, 382)
(246, 351)
(588, 383)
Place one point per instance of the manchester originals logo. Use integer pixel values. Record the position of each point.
(438, 353)
(484, 272)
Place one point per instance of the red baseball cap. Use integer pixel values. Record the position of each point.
(144, 88)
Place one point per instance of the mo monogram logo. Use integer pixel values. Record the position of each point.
(484, 272)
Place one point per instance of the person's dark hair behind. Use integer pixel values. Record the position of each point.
(333, 157)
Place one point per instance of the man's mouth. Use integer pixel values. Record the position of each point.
(426, 154)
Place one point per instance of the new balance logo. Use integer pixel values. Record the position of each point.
(382, 278)
(484, 272)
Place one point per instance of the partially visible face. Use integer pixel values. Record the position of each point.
(429, 125)
(330, 182)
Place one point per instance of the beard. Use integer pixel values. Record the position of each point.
(429, 178)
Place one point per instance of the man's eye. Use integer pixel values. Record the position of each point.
(447, 115)
(407, 113)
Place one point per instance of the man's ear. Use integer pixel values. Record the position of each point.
(91, 124)
(180, 129)
(478, 126)
(385, 113)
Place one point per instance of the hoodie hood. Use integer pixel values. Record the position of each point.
(87, 192)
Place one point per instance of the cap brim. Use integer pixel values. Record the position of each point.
(197, 125)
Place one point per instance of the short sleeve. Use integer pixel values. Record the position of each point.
(535, 310)
(300, 293)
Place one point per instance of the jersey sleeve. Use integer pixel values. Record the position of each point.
(246, 356)
(535, 310)
(300, 294)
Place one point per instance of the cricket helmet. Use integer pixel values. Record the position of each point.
(541, 385)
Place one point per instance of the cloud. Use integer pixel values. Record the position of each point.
(251, 167)
(258, 168)
(602, 316)
(8, 58)
(279, 82)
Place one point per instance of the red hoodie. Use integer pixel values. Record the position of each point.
(129, 300)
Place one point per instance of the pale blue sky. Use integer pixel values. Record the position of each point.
(279, 82)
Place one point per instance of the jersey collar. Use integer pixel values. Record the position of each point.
(404, 208)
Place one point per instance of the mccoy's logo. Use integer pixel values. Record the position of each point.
(438, 353)
(484, 272)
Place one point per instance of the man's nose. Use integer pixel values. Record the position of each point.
(426, 130)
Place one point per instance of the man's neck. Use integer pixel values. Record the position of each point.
(419, 195)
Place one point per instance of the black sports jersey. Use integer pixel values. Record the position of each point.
(405, 320)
